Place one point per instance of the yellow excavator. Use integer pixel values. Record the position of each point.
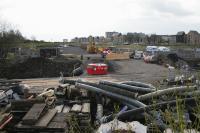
(91, 47)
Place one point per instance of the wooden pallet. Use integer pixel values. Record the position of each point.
(45, 120)
(33, 115)
(58, 122)
(56, 125)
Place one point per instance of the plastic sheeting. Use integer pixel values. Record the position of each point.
(117, 125)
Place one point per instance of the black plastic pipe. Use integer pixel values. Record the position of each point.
(78, 71)
(112, 89)
(87, 83)
(129, 105)
(166, 91)
(161, 105)
(118, 91)
(69, 81)
(139, 84)
(110, 94)
(135, 89)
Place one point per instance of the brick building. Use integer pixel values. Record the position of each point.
(193, 37)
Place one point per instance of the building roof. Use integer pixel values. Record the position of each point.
(193, 31)
(181, 33)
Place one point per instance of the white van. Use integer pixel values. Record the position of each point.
(163, 49)
(151, 48)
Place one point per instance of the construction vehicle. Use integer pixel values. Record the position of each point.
(91, 47)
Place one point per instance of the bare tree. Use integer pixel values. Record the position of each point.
(8, 34)
(33, 38)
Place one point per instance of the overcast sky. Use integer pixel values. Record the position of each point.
(53, 20)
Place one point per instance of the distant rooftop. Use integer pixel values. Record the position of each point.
(194, 32)
(181, 33)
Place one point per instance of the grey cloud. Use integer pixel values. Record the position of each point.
(169, 7)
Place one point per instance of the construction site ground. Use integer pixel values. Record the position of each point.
(125, 70)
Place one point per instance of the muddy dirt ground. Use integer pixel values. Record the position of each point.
(38, 68)
(123, 71)
(138, 70)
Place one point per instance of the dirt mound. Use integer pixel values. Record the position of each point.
(38, 68)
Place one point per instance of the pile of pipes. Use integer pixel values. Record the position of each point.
(104, 107)
(141, 102)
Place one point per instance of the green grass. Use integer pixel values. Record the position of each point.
(32, 45)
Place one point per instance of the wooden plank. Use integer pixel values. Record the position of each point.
(33, 114)
(76, 108)
(85, 108)
(66, 109)
(2, 95)
(9, 81)
(59, 108)
(58, 122)
(57, 125)
(44, 121)
(59, 117)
